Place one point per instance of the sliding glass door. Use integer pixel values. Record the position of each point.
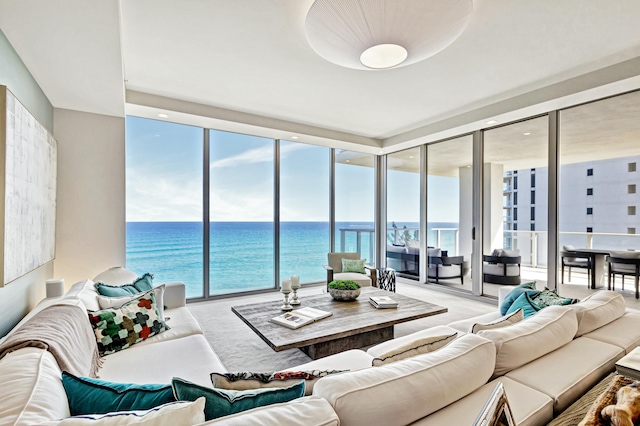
(241, 201)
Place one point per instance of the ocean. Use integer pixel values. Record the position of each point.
(241, 253)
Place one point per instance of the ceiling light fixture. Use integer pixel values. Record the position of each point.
(382, 34)
(163, 115)
(491, 122)
(526, 133)
(294, 137)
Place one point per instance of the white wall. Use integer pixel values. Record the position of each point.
(90, 228)
(20, 296)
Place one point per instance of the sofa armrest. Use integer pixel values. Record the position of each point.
(175, 295)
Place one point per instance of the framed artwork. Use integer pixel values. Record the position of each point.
(496, 411)
(28, 170)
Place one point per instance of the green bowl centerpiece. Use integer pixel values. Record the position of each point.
(344, 290)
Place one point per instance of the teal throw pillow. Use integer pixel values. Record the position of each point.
(524, 302)
(550, 297)
(95, 396)
(352, 265)
(144, 283)
(515, 293)
(222, 402)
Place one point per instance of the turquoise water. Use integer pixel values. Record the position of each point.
(242, 256)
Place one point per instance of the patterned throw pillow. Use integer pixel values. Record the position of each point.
(352, 265)
(118, 328)
(550, 297)
(247, 380)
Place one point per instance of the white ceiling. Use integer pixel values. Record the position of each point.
(246, 64)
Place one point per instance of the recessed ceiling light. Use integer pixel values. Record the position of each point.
(163, 115)
(348, 161)
(411, 156)
(491, 122)
(468, 167)
(526, 133)
(380, 152)
(294, 137)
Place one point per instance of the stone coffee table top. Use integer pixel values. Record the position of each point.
(353, 324)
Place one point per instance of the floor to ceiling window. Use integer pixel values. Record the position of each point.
(515, 204)
(449, 212)
(599, 179)
(304, 211)
(355, 203)
(164, 201)
(403, 212)
(241, 212)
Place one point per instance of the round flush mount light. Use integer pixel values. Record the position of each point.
(161, 115)
(382, 34)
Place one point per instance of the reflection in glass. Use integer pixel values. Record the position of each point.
(304, 211)
(355, 205)
(164, 201)
(519, 152)
(403, 212)
(599, 150)
(241, 212)
(449, 212)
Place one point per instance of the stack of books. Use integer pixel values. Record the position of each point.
(629, 365)
(383, 302)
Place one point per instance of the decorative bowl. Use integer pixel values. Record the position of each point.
(344, 295)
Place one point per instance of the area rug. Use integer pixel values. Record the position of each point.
(240, 349)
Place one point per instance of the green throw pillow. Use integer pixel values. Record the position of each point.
(515, 293)
(144, 283)
(95, 396)
(524, 302)
(352, 265)
(133, 322)
(222, 402)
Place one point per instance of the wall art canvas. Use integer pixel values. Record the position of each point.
(28, 167)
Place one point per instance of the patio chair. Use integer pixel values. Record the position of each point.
(502, 267)
(334, 270)
(624, 263)
(569, 259)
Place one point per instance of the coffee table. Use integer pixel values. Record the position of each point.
(353, 324)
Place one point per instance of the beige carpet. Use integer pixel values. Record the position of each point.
(240, 349)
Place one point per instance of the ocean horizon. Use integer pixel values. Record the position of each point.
(241, 253)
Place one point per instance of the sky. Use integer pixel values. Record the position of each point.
(164, 163)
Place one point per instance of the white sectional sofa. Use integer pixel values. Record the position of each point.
(545, 362)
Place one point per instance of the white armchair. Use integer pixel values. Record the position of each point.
(334, 270)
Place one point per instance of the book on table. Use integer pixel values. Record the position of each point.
(629, 365)
(383, 302)
(299, 317)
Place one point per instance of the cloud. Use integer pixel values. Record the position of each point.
(263, 154)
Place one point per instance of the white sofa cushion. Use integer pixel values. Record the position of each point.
(570, 371)
(498, 269)
(85, 290)
(306, 411)
(466, 324)
(417, 347)
(598, 309)
(361, 279)
(397, 343)
(504, 321)
(529, 406)
(405, 391)
(618, 332)
(171, 414)
(32, 388)
(531, 338)
(189, 358)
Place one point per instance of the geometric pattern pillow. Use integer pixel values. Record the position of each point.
(118, 328)
(247, 380)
